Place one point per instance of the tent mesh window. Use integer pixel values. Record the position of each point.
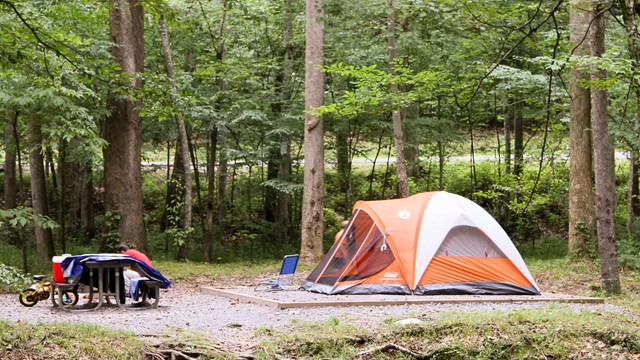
(469, 241)
(357, 255)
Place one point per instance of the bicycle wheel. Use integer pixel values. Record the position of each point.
(69, 297)
(28, 297)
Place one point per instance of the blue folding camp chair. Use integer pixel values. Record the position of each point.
(289, 264)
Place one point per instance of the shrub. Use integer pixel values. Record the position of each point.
(12, 279)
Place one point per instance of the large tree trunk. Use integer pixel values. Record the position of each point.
(183, 149)
(77, 193)
(313, 196)
(604, 162)
(122, 156)
(396, 115)
(39, 200)
(284, 169)
(582, 222)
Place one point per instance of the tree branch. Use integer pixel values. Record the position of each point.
(35, 34)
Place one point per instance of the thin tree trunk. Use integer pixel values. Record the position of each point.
(507, 134)
(9, 186)
(518, 137)
(210, 209)
(122, 156)
(183, 249)
(604, 163)
(396, 115)
(313, 195)
(10, 161)
(39, 200)
(582, 219)
(62, 196)
(87, 214)
(441, 154)
(633, 195)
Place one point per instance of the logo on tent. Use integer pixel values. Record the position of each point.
(404, 214)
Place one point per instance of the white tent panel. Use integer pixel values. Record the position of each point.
(446, 211)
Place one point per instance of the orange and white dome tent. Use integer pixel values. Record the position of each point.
(426, 244)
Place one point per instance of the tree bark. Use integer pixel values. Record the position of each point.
(10, 161)
(313, 194)
(604, 162)
(582, 219)
(284, 168)
(633, 194)
(518, 136)
(39, 199)
(629, 14)
(396, 115)
(122, 156)
(507, 134)
(183, 249)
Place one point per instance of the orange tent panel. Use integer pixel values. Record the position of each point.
(446, 269)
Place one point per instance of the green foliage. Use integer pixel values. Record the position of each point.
(12, 279)
(21, 216)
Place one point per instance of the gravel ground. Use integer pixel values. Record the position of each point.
(231, 324)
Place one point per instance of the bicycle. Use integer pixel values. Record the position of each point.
(41, 290)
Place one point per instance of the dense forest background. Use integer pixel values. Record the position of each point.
(119, 113)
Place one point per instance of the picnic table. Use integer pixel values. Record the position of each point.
(104, 273)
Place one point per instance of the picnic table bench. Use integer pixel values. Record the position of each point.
(105, 272)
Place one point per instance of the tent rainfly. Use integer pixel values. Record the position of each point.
(427, 244)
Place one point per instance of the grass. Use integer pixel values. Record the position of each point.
(553, 331)
(62, 340)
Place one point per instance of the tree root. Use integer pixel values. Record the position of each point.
(173, 352)
(388, 347)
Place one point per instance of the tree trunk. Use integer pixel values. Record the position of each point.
(313, 195)
(210, 209)
(507, 134)
(604, 163)
(62, 202)
(343, 164)
(10, 188)
(284, 169)
(629, 16)
(87, 214)
(77, 193)
(271, 193)
(10, 161)
(582, 222)
(633, 195)
(122, 156)
(183, 149)
(396, 115)
(39, 200)
(223, 199)
(518, 137)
